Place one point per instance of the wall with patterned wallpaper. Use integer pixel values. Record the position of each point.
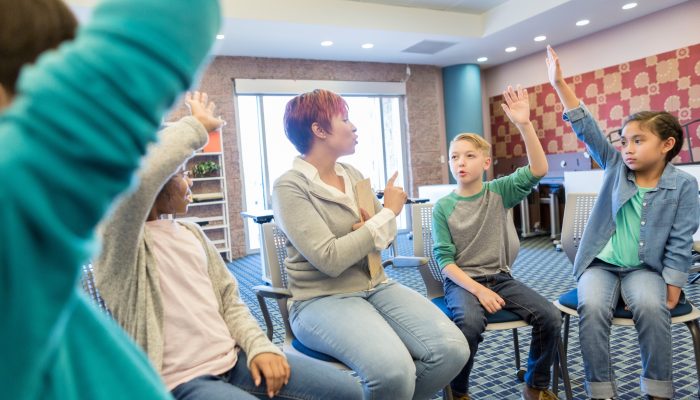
(424, 108)
(668, 81)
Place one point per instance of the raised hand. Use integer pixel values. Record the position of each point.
(201, 108)
(394, 196)
(275, 370)
(517, 105)
(556, 78)
(553, 67)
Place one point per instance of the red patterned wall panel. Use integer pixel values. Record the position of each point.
(669, 81)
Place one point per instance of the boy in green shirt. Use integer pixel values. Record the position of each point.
(470, 242)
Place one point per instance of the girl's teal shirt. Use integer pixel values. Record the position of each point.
(69, 144)
(669, 215)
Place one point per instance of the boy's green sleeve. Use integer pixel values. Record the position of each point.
(514, 187)
(444, 249)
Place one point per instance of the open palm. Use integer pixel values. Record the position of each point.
(203, 109)
(517, 105)
(553, 67)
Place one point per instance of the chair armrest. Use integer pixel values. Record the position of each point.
(271, 292)
(263, 292)
(403, 261)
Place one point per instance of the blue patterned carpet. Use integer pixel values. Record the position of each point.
(494, 374)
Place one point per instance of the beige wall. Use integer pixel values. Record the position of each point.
(662, 31)
(656, 33)
(424, 108)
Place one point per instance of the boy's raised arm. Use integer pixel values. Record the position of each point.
(517, 108)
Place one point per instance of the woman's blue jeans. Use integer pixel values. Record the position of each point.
(399, 343)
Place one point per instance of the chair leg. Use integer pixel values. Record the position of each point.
(694, 328)
(516, 348)
(562, 361)
(695, 278)
(567, 320)
(519, 372)
(563, 365)
(447, 393)
(555, 376)
(266, 315)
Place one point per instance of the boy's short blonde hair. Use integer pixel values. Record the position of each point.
(479, 142)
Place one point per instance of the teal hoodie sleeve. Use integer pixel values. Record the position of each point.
(69, 143)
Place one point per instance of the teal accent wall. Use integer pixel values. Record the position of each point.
(462, 90)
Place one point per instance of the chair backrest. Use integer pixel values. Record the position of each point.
(275, 247)
(576, 212)
(87, 281)
(423, 246)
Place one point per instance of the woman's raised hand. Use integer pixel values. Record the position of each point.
(394, 196)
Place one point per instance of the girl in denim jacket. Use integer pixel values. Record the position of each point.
(637, 243)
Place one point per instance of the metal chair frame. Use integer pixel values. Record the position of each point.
(275, 241)
(87, 281)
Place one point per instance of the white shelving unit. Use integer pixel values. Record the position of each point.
(211, 214)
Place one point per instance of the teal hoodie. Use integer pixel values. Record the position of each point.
(69, 144)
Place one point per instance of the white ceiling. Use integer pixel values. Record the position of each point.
(464, 6)
(295, 28)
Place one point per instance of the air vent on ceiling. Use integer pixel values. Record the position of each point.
(428, 47)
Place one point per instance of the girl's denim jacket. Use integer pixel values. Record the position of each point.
(670, 212)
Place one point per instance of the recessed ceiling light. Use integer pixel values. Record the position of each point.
(482, 59)
(540, 38)
(583, 22)
(511, 49)
(367, 46)
(220, 36)
(326, 43)
(629, 6)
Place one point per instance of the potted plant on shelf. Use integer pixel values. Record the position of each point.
(205, 168)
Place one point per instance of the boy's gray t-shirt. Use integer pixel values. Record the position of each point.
(471, 232)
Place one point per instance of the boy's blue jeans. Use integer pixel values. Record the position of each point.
(309, 380)
(398, 342)
(537, 311)
(644, 292)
